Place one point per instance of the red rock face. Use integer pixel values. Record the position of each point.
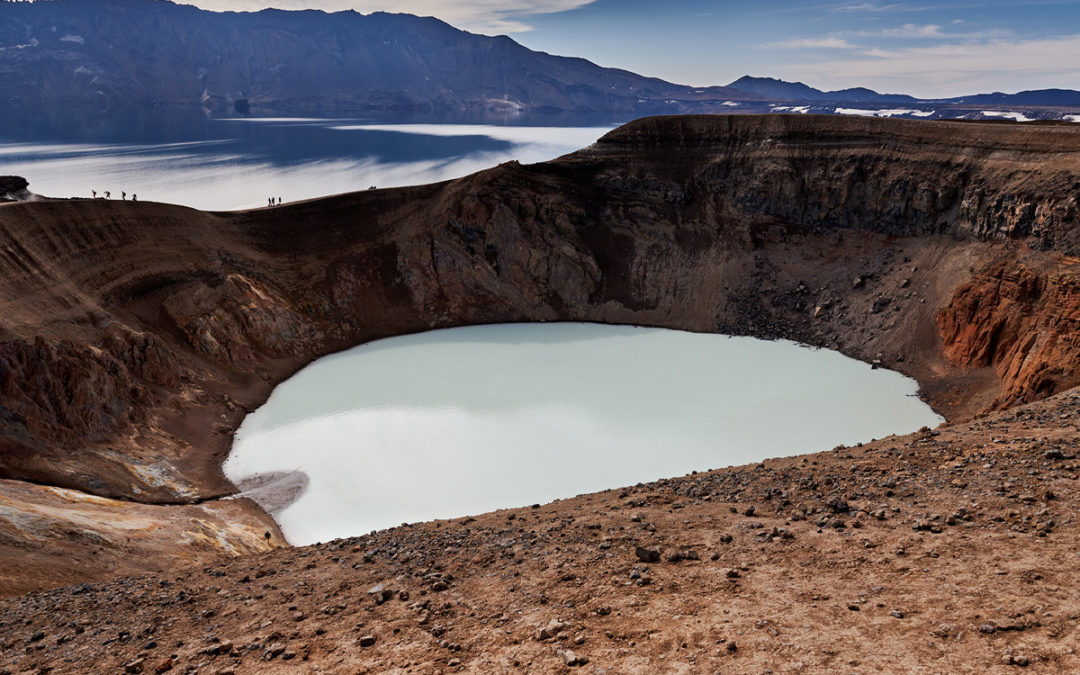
(1023, 322)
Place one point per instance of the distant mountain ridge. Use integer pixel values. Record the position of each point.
(773, 88)
(105, 55)
(769, 87)
(108, 53)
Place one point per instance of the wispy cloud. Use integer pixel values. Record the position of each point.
(935, 32)
(812, 43)
(481, 16)
(910, 30)
(871, 7)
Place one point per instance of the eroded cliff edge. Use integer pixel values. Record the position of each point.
(135, 336)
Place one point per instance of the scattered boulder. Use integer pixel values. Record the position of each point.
(14, 189)
(382, 594)
(647, 555)
(571, 659)
(552, 629)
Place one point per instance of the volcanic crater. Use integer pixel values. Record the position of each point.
(134, 337)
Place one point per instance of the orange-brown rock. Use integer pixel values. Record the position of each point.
(1022, 321)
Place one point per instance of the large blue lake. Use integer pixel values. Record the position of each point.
(225, 164)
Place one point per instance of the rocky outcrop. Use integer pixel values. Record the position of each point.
(14, 189)
(902, 178)
(135, 336)
(1022, 322)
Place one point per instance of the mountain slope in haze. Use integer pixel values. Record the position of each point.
(772, 88)
(112, 53)
(107, 55)
(1037, 97)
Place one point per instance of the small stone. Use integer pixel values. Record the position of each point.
(647, 555)
(896, 614)
(837, 505)
(367, 641)
(454, 663)
(164, 667)
(553, 628)
(135, 666)
(381, 593)
(439, 586)
(732, 573)
(987, 629)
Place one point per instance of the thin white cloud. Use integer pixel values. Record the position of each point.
(953, 69)
(910, 30)
(491, 17)
(869, 7)
(935, 32)
(812, 43)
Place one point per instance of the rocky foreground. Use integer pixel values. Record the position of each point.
(134, 337)
(943, 551)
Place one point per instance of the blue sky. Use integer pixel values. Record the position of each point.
(942, 48)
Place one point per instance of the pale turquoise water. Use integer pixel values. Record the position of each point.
(466, 420)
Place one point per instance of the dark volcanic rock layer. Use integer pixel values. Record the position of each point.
(135, 336)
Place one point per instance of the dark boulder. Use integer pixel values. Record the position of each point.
(10, 184)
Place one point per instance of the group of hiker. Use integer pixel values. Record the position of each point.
(108, 195)
(270, 201)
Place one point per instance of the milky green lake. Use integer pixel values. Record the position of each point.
(467, 420)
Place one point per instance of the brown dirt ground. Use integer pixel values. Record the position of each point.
(952, 550)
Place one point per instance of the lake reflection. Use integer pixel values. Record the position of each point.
(467, 420)
(237, 163)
